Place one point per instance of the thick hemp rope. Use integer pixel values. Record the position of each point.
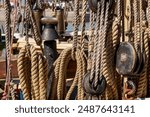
(149, 46)
(60, 74)
(107, 59)
(76, 53)
(142, 83)
(37, 74)
(116, 40)
(32, 72)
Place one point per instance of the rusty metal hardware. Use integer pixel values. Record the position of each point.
(129, 90)
(50, 52)
(49, 32)
(89, 86)
(49, 36)
(58, 21)
(61, 21)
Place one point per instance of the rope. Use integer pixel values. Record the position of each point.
(32, 71)
(76, 24)
(99, 42)
(34, 74)
(42, 77)
(6, 93)
(136, 26)
(83, 22)
(142, 84)
(116, 40)
(12, 90)
(149, 43)
(91, 36)
(22, 74)
(95, 43)
(60, 74)
(36, 33)
(108, 62)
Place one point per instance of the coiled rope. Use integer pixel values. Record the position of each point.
(37, 74)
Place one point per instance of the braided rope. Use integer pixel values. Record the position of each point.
(83, 22)
(95, 43)
(34, 74)
(142, 84)
(115, 40)
(36, 33)
(42, 77)
(107, 61)
(32, 71)
(99, 41)
(136, 26)
(90, 43)
(76, 23)
(7, 43)
(60, 70)
(12, 90)
(23, 79)
(149, 44)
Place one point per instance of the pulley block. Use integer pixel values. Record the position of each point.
(126, 58)
(89, 88)
(93, 4)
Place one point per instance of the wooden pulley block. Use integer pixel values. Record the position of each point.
(126, 58)
(89, 88)
(93, 4)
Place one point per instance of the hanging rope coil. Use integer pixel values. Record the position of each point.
(37, 74)
(60, 74)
